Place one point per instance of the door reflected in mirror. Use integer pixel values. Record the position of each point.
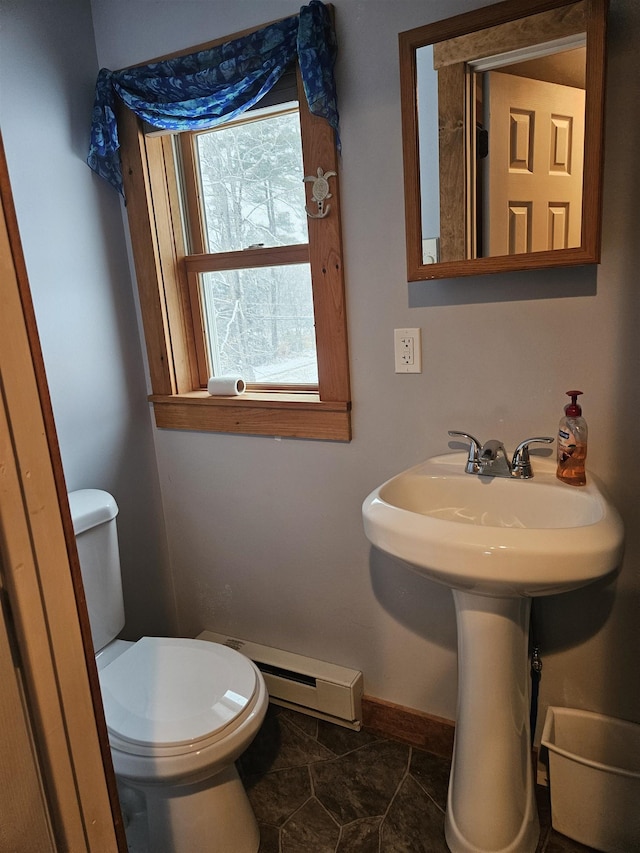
(502, 135)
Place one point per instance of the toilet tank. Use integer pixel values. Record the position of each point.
(94, 523)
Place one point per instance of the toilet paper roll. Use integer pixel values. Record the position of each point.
(226, 386)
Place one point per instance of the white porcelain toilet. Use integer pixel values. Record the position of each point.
(179, 712)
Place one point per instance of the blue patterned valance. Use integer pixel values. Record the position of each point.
(203, 89)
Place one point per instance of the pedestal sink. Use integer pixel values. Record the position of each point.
(496, 542)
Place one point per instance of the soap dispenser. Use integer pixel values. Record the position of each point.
(572, 443)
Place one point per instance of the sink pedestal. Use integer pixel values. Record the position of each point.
(491, 803)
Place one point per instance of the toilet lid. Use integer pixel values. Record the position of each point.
(166, 691)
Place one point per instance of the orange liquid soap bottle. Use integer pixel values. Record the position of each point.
(572, 443)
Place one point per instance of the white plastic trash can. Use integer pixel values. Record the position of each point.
(594, 775)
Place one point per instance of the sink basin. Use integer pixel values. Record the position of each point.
(495, 536)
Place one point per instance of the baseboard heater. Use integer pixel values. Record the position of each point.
(313, 687)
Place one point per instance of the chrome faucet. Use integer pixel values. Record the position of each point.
(491, 460)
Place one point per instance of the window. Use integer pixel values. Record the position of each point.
(243, 206)
(234, 277)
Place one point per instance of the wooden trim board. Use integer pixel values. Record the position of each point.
(433, 734)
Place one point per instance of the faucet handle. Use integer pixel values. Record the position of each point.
(474, 450)
(521, 463)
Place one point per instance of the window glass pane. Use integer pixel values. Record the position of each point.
(252, 184)
(260, 324)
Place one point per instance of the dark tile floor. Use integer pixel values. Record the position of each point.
(320, 788)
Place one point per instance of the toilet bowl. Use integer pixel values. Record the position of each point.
(179, 712)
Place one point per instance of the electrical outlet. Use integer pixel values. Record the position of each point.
(407, 350)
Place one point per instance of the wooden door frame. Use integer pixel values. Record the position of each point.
(42, 588)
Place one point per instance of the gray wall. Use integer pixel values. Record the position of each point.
(265, 536)
(73, 241)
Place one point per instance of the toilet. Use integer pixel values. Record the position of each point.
(179, 712)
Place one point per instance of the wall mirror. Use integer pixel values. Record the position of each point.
(502, 123)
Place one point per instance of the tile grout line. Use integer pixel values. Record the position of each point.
(427, 794)
(312, 787)
(392, 800)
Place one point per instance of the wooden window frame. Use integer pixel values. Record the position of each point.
(173, 330)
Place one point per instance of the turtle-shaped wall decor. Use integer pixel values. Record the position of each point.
(320, 192)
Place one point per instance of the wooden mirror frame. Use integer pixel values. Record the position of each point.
(489, 16)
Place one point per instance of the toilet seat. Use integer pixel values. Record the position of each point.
(169, 696)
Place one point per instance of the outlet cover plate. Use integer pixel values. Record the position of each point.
(407, 350)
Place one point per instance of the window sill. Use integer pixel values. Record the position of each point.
(295, 415)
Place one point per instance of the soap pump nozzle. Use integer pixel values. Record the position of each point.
(573, 409)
